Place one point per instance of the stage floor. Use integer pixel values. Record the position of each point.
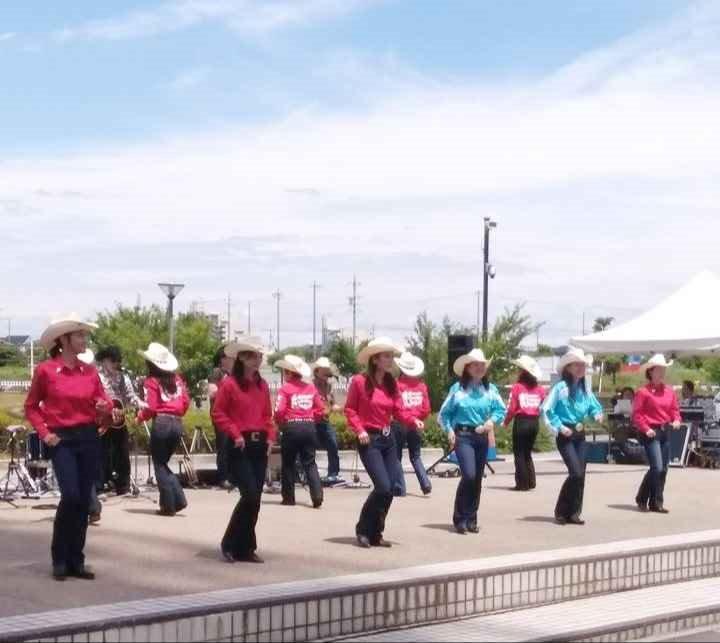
(137, 554)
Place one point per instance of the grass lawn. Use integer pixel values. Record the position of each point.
(14, 373)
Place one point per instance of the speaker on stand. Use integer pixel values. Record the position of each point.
(458, 345)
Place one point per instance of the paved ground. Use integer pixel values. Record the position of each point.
(138, 554)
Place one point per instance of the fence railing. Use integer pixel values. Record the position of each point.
(14, 385)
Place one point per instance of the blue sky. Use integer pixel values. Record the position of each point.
(294, 140)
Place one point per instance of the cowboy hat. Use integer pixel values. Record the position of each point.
(88, 357)
(656, 360)
(410, 365)
(573, 356)
(160, 356)
(294, 364)
(474, 356)
(527, 363)
(59, 327)
(324, 362)
(245, 345)
(375, 347)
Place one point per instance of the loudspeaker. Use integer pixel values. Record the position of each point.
(458, 345)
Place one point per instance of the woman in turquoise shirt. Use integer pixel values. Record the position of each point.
(472, 409)
(565, 409)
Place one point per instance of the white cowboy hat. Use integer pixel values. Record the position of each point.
(324, 362)
(294, 364)
(160, 356)
(59, 327)
(375, 347)
(656, 360)
(410, 365)
(573, 356)
(527, 363)
(88, 357)
(245, 345)
(474, 356)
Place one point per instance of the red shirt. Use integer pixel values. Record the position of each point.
(61, 397)
(653, 406)
(237, 411)
(159, 401)
(524, 400)
(373, 412)
(299, 401)
(415, 397)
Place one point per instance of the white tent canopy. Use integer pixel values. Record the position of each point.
(687, 322)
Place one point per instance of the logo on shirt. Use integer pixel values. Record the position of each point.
(530, 400)
(301, 401)
(412, 399)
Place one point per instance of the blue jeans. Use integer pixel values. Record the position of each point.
(471, 450)
(222, 450)
(411, 439)
(381, 462)
(572, 450)
(327, 440)
(652, 489)
(164, 439)
(76, 463)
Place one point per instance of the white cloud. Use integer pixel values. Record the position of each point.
(249, 17)
(603, 178)
(8, 35)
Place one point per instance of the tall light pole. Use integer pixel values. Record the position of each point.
(278, 296)
(171, 291)
(315, 287)
(488, 273)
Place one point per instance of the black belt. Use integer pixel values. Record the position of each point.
(255, 436)
(465, 428)
(375, 431)
(77, 432)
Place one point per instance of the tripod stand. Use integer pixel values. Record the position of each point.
(136, 490)
(198, 438)
(356, 483)
(17, 473)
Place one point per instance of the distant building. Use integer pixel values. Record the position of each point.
(21, 342)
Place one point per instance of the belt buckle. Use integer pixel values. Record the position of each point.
(255, 436)
(386, 431)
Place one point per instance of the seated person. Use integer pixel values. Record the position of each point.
(623, 406)
(688, 397)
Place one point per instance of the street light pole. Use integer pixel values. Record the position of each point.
(488, 273)
(171, 291)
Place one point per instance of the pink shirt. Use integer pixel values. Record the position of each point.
(299, 401)
(373, 412)
(237, 411)
(415, 397)
(160, 401)
(654, 406)
(524, 400)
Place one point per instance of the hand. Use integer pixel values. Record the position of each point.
(579, 427)
(240, 442)
(363, 438)
(566, 432)
(676, 425)
(419, 425)
(599, 418)
(651, 434)
(51, 440)
(480, 430)
(118, 415)
(336, 408)
(489, 426)
(451, 439)
(102, 406)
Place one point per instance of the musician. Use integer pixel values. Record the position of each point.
(166, 402)
(116, 441)
(66, 399)
(243, 411)
(223, 365)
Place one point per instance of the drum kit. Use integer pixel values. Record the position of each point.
(29, 475)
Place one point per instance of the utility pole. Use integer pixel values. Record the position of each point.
(488, 273)
(353, 303)
(315, 287)
(249, 313)
(277, 295)
(171, 291)
(323, 323)
(229, 323)
(477, 325)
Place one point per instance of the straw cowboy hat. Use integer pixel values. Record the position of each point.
(375, 347)
(59, 327)
(160, 356)
(656, 360)
(475, 356)
(245, 345)
(88, 357)
(527, 363)
(294, 364)
(410, 365)
(573, 356)
(324, 362)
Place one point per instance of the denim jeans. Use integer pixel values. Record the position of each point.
(381, 462)
(116, 459)
(525, 432)
(411, 439)
(76, 463)
(164, 439)
(300, 440)
(572, 449)
(652, 489)
(471, 450)
(222, 451)
(247, 467)
(327, 440)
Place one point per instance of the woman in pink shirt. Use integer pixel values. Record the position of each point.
(526, 398)
(167, 400)
(372, 402)
(655, 412)
(297, 409)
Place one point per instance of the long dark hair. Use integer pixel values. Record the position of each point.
(388, 383)
(570, 380)
(56, 349)
(167, 380)
(238, 372)
(466, 380)
(528, 379)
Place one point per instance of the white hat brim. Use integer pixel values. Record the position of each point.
(411, 372)
(648, 365)
(566, 360)
(302, 370)
(234, 348)
(465, 360)
(329, 366)
(169, 365)
(62, 327)
(366, 353)
(534, 370)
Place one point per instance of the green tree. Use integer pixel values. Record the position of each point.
(613, 365)
(344, 356)
(602, 323)
(712, 368)
(306, 352)
(544, 350)
(510, 330)
(10, 356)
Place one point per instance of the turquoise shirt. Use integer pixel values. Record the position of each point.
(471, 407)
(560, 409)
